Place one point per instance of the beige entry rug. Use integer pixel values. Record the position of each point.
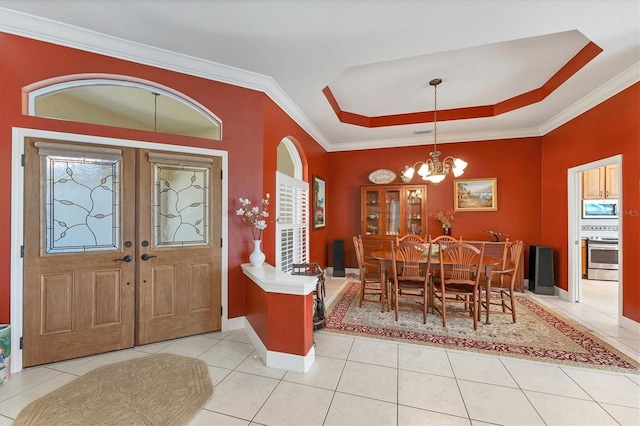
(539, 334)
(161, 389)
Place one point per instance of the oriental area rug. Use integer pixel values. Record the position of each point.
(161, 389)
(539, 333)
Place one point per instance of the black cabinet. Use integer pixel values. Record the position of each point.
(541, 270)
(338, 258)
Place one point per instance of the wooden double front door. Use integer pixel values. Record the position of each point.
(121, 247)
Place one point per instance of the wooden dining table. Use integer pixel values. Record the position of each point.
(385, 257)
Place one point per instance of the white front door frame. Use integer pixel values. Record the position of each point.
(17, 217)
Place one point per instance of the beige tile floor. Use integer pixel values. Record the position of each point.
(357, 381)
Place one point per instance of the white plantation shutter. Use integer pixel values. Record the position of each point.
(292, 226)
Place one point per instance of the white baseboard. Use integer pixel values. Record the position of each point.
(280, 360)
(236, 323)
(629, 324)
(295, 363)
(561, 293)
(255, 339)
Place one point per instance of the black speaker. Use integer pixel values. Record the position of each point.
(338, 258)
(541, 270)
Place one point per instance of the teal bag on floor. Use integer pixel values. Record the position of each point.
(5, 352)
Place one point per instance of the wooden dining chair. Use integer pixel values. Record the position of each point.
(410, 277)
(460, 285)
(410, 238)
(502, 282)
(369, 276)
(440, 241)
(444, 240)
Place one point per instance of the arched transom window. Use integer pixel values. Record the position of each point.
(125, 104)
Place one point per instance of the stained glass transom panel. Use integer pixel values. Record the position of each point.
(82, 203)
(181, 205)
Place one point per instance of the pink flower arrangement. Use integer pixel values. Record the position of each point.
(445, 218)
(253, 217)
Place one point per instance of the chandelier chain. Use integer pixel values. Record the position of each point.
(155, 111)
(433, 169)
(435, 117)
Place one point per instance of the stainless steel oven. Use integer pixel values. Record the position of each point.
(602, 259)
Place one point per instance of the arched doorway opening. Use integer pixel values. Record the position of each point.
(292, 208)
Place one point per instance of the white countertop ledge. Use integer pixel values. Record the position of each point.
(273, 280)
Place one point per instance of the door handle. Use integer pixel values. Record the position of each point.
(127, 258)
(146, 257)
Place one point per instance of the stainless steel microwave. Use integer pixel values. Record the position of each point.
(599, 209)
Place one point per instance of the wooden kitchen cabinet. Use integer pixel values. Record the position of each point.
(600, 182)
(611, 189)
(388, 211)
(593, 183)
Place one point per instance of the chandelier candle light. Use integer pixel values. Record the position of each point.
(255, 219)
(434, 170)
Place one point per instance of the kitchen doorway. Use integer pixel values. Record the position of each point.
(579, 289)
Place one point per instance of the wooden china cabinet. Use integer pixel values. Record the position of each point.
(388, 211)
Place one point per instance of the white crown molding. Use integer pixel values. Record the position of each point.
(452, 138)
(79, 38)
(67, 35)
(614, 86)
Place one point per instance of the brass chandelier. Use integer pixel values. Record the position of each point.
(434, 170)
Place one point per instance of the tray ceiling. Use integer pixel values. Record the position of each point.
(375, 57)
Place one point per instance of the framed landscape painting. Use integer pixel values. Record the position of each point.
(318, 200)
(471, 195)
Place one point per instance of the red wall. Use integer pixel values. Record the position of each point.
(281, 321)
(532, 185)
(514, 162)
(249, 137)
(278, 125)
(531, 172)
(608, 129)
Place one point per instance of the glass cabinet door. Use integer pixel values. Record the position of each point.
(372, 212)
(392, 210)
(414, 203)
(388, 211)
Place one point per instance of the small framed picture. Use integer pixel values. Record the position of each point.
(472, 195)
(319, 206)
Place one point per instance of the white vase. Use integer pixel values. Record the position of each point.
(257, 256)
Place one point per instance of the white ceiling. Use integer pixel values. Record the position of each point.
(377, 57)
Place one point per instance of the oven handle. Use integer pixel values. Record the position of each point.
(604, 246)
(604, 266)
